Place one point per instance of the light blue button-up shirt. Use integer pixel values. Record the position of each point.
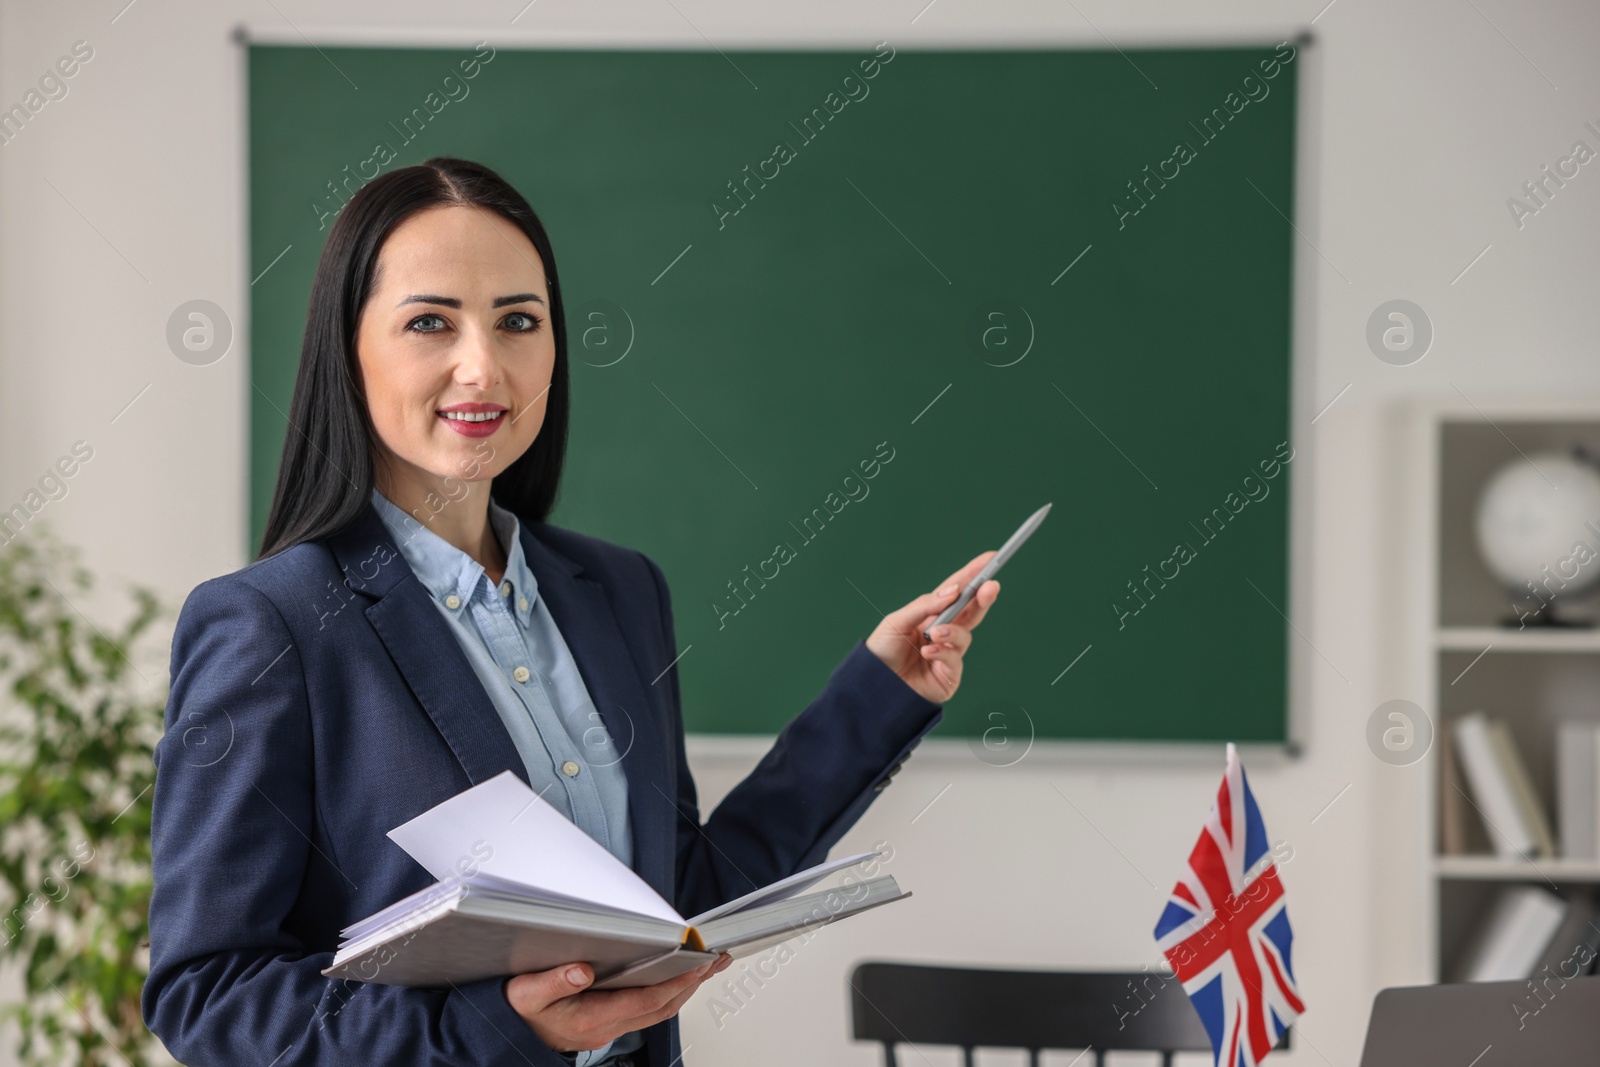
(515, 649)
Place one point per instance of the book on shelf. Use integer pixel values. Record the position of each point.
(1573, 948)
(1578, 789)
(1501, 789)
(1452, 800)
(1515, 770)
(521, 888)
(1512, 941)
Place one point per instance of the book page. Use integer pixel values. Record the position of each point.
(783, 887)
(502, 828)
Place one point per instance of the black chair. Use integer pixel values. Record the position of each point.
(908, 1003)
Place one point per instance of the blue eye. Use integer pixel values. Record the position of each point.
(517, 321)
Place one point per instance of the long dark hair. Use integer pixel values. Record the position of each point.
(325, 478)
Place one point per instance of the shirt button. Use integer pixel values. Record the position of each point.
(452, 602)
(522, 603)
(570, 769)
(505, 588)
(520, 674)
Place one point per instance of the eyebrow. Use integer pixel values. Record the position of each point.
(453, 302)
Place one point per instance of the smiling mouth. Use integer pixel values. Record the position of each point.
(474, 420)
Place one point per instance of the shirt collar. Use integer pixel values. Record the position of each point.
(446, 571)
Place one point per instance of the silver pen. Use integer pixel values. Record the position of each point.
(989, 570)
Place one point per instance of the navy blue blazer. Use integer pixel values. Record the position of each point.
(318, 700)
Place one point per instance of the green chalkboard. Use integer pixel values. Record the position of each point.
(989, 279)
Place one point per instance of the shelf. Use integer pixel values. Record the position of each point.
(1495, 869)
(1478, 638)
(1463, 658)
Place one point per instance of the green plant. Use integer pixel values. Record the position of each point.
(78, 725)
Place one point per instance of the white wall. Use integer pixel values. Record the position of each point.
(127, 198)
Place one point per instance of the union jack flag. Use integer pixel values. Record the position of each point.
(1226, 931)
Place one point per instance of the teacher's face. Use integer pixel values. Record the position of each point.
(455, 347)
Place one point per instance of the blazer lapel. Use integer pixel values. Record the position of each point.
(427, 653)
(434, 667)
(582, 612)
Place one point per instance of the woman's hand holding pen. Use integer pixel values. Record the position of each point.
(933, 668)
(567, 1019)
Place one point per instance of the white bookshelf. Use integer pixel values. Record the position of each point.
(1463, 656)
(1477, 639)
(1495, 869)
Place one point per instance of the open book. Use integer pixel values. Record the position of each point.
(521, 888)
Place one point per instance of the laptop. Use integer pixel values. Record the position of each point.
(1486, 1024)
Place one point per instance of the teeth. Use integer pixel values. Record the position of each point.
(471, 416)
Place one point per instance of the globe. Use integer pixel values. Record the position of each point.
(1533, 517)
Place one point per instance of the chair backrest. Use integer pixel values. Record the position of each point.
(895, 1003)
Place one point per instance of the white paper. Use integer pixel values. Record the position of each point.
(783, 887)
(503, 828)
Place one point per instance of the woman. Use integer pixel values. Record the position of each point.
(414, 627)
